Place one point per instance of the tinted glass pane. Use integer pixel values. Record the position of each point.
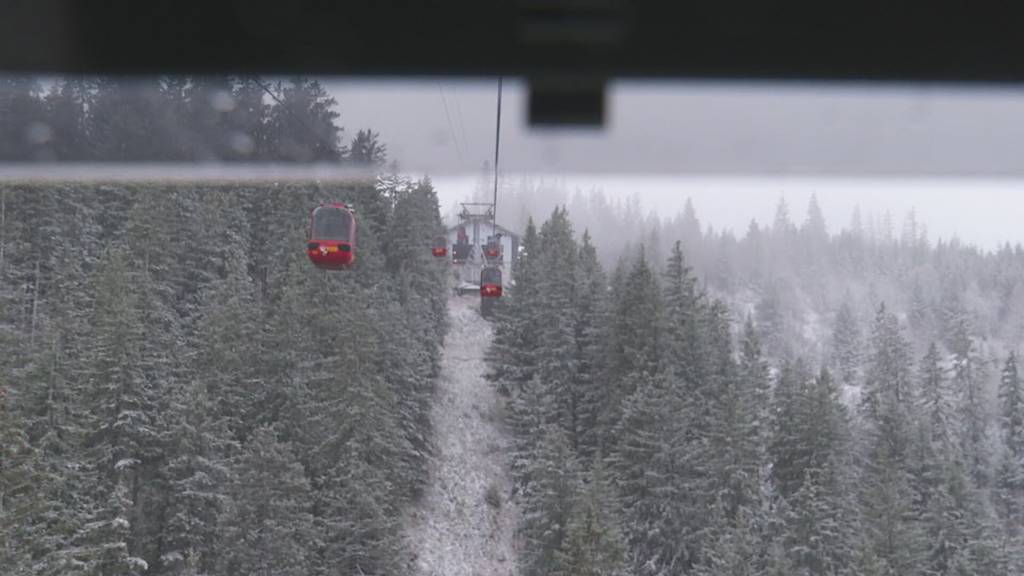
(331, 224)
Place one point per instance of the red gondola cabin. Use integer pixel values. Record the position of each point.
(462, 249)
(440, 247)
(490, 282)
(492, 250)
(332, 237)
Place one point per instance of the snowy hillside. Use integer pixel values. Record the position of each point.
(464, 524)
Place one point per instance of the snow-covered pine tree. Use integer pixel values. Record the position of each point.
(735, 434)
(556, 358)
(735, 545)
(813, 247)
(45, 311)
(22, 499)
(887, 409)
(646, 468)
(774, 322)
(268, 526)
(755, 384)
(413, 334)
(937, 412)
(546, 502)
(196, 473)
(634, 343)
(1011, 427)
(788, 446)
(590, 322)
(973, 404)
(816, 542)
(366, 150)
(939, 475)
(207, 419)
(121, 404)
(846, 345)
(820, 520)
(681, 317)
(594, 544)
(213, 240)
(301, 127)
(1009, 493)
(512, 357)
(920, 312)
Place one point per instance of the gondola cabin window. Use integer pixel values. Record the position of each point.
(331, 224)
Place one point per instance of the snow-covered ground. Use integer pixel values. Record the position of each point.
(455, 530)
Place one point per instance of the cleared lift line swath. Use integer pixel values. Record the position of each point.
(465, 524)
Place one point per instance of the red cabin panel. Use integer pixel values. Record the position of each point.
(490, 290)
(332, 237)
(331, 255)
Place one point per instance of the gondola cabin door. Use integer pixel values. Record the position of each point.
(490, 283)
(332, 237)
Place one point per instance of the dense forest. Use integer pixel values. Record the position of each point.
(181, 392)
(794, 273)
(176, 119)
(806, 404)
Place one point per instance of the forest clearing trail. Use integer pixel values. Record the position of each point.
(455, 530)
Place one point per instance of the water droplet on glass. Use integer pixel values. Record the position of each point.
(241, 143)
(38, 133)
(222, 101)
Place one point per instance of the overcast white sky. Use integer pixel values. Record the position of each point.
(953, 153)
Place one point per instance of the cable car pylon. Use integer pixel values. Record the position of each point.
(490, 274)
